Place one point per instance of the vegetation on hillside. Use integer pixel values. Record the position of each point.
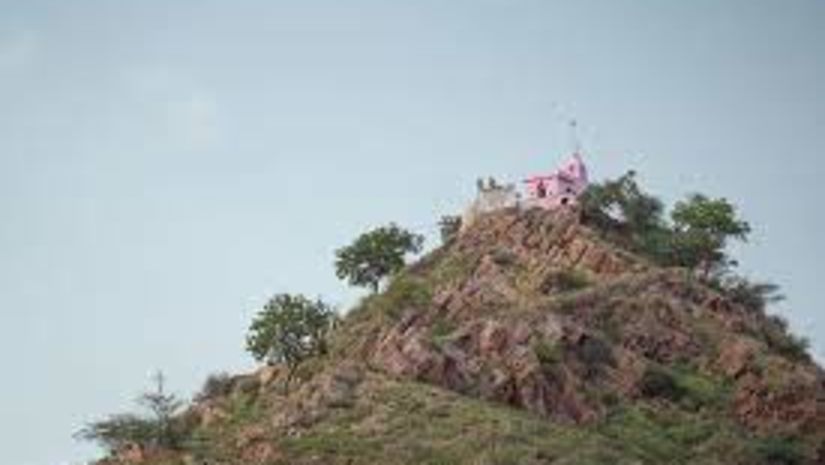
(676, 411)
(696, 236)
(159, 428)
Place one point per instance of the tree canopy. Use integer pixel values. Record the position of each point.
(696, 236)
(289, 329)
(702, 229)
(375, 255)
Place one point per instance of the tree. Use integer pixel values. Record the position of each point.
(622, 210)
(156, 430)
(702, 228)
(289, 329)
(376, 255)
(163, 407)
(449, 226)
(621, 205)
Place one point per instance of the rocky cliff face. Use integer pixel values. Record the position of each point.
(533, 310)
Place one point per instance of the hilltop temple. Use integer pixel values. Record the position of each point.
(550, 191)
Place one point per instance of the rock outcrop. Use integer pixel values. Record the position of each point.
(533, 340)
(498, 328)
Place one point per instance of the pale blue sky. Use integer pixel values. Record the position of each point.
(165, 166)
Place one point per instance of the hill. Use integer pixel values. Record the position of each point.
(527, 339)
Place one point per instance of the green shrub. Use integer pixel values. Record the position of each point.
(595, 354)
(548, 354)
(658, 382)
(794, 347)
(454, 267)
(683, 385)
(640, 434)
(572, 280)
(449, 227)
(404, 292)
(118, 431)
(567, 280)
(753, 296)
(440, 331)
(775, 333)
(504, 257)
(779, 451)
(701, 391)
(216, 385)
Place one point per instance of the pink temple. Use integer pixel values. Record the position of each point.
(560, 188)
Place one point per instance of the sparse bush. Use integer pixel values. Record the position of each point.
(449, 227)
(216, 385)
(567, 280)
(158, 430)
(163, 407)
(774, 332)
(454, 267)
(440, 331)
(571, 280)
(405, 292)
(548, 354)
(118, 431)
(753, 296)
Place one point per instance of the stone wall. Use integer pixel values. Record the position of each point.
(489, 198)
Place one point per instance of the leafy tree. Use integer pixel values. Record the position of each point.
(289, 329)
(622, 205)
(621, 209)
(449, 226)
(702, 229)
(156, 430)
(696, 237)
(376, 255)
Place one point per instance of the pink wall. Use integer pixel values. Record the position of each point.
(562, 187)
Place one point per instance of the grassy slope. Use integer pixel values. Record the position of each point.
(396, 422)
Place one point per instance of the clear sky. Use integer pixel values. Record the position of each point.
(165, 166)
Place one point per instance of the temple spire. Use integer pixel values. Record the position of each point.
(575, 142)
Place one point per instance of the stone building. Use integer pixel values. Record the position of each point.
(558, 189)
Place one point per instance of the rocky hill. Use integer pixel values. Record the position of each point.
(527, 339)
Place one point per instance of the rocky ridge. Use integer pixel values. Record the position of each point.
(530, 318)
